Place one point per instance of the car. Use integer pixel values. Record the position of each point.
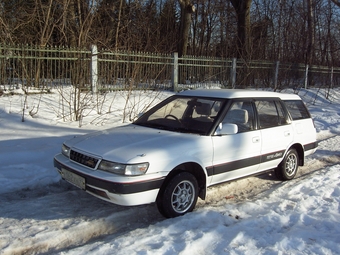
(192, 140)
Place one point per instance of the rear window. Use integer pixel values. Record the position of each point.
(297, 109)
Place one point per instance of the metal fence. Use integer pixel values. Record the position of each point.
(32, 66)
(128, 70)
(100, 70)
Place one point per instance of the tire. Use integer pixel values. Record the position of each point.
(287, 169)
(179, 196)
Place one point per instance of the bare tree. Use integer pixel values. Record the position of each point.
(168, 27)
(204, 28)
(242, 8)
(187, 9)
(289, 31)
(118, 24)
(311, 32)
(337, 2)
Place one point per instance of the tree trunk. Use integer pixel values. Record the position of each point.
(311, 33)
(242, 8)
(186, 10)
(311, 39)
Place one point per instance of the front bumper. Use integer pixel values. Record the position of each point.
(132, 191)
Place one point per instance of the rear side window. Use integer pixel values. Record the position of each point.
(297, 109)
(271, 113)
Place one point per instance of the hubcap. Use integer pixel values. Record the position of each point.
(182, 197)
(291, 164)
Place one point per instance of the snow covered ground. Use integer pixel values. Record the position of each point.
(39, 213)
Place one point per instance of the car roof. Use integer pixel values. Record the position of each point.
(238, 93)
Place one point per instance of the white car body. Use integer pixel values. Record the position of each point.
(219, 155)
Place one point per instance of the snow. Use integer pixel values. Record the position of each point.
(39, 213)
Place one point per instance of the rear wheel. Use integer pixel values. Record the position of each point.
(179, 196)
(287, 169)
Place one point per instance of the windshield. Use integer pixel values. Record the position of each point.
(183, 114)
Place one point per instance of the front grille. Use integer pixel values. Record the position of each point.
(83, 159)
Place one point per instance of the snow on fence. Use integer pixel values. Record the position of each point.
(100, 70)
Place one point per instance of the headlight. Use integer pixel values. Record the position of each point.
(134, 169)
(112, 167)
(65, 150)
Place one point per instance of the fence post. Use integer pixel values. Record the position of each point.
(276, 74)
(233, 72)
(332, 76)
(306, 76)
(174, 78)
(94, 68)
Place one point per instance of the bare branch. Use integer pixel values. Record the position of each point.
(336, 2)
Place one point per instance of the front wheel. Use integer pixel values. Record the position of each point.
(179, 196)
(287, 169)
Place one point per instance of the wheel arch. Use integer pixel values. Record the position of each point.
(301, 153)
(191, 167)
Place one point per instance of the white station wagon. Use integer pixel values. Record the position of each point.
(188, 142)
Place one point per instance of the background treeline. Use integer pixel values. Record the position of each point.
(298, 31)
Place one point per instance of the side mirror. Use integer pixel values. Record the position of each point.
(226, 129)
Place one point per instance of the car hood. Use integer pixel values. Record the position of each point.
(132, 143)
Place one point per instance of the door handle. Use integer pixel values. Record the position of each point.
(256, 139)
(287, 133)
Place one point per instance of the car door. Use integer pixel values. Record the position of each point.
(236, 155)
(276, 132)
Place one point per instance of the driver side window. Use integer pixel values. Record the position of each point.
(241, 113)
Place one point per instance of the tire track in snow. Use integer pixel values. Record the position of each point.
(40, 221)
